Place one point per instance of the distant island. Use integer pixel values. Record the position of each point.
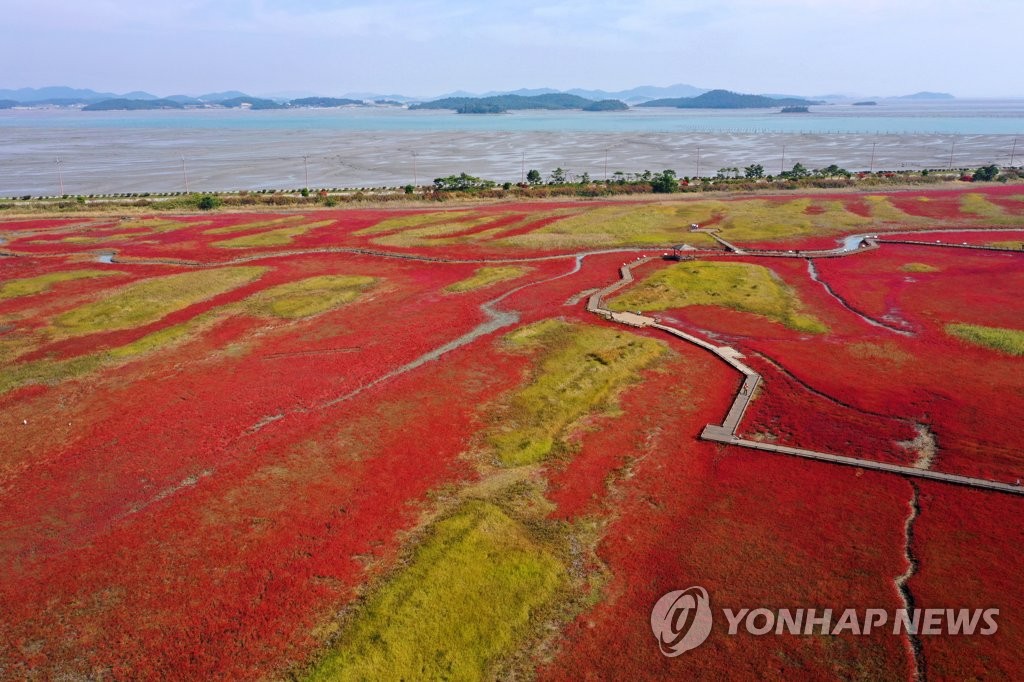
(499, 104)
(795, 110)
(929, 96)
(325, 102)
(133, 105)
(242, 102)
(678, 96)
(725, 99)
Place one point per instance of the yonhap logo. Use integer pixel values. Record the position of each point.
(681, 620)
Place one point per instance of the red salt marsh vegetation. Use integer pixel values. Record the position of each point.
(262, 445)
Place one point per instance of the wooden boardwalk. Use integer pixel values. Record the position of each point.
(726, 432)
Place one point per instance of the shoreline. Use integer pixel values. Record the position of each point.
(295, 203)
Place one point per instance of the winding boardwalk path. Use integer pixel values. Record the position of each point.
(726, 431)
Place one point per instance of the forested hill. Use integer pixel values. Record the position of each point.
(724, 99)
(501, 103)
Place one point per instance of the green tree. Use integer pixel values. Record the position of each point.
(533, 177)
(754, 171)
(558, 176)
(463, 181)
(665, 182)
(798, 173)
(986, 173)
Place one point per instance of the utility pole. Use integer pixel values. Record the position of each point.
(523, 171)
(184, 173)
(606, 164)
(698, 161)
(782, 164)
(872, 168)
(305, 167)
(60, 174)
(951, 148)
(1013, 149)
(415, 178)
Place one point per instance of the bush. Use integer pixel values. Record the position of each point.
(208, 202)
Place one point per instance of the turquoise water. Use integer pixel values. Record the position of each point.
(67, 151)
(968, 117)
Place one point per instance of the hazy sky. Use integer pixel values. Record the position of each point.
(430, 47)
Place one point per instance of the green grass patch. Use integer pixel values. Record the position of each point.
(280, 237)
(918, 267)
(465, 598)
(977, 205)
(404, 222)
(761, 220)
(149, 300)
(883, 211)
(485, 277)
(256, 225)
(1016, 245)
(628, 225)
(29, 286)
(160, 224)
(740, 286)
(119, 236)
(581, 371)
(55, 371)
(1010, 341)
(307, 297)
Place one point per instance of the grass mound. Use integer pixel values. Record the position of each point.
(310, 296)
(151, 299)
(29, 286)
(759, 219)
(256, 224)
(465, 599)
(485, 277)
(980, 207)
(741, 286)
(1010, 341)
(611, 226)
(918, 267)
(280, 237)
(405, 222)
(582, 370)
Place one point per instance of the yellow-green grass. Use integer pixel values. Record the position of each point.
(740, 286)
(581, 371)
(404, 222)
(918, 267)
(47, 371)
(149, 300)
(1010, 341)
(307, 297)
(30, 286)
(979, 206)
(1016, 245)
(256, 225)
(280, 237)
(883, 212)
(465, 599)
(435, 234)
(761, 220)
(450, 232)
(160, 224)
(118, 236)
(485, 277)
(628, 225)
